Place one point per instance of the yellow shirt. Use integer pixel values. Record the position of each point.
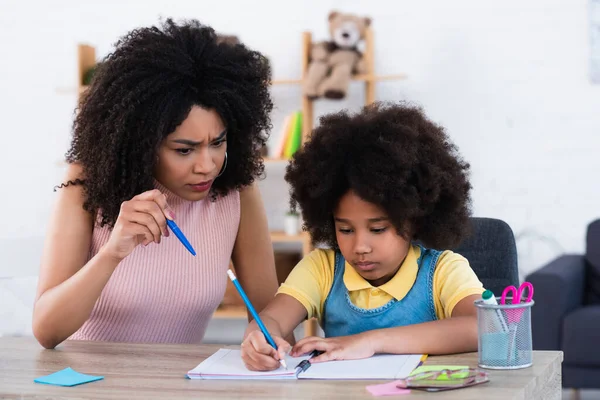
(310, 282)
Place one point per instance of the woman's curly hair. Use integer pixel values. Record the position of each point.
(392, 156)
(143, 90)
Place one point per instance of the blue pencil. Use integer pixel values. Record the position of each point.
(259, 322)
(180, 236)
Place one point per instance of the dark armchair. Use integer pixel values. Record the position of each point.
(566, 315)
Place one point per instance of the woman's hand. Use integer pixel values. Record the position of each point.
(258, 355)
(336, 348)
(141, 220)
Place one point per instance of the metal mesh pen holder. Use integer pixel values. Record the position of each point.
(504, 334)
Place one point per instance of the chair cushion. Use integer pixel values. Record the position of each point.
(580, 337)
(592, 256)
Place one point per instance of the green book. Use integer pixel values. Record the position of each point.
(294, 141)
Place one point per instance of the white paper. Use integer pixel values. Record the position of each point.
(228, 364)
(381, 366)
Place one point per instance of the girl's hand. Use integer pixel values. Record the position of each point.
(258, 355)
(336, 348)
(141, 220)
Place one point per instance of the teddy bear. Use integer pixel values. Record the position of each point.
(332, 63)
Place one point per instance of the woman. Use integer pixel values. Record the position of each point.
(170, 128)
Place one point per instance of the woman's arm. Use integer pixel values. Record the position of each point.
(457, 334)
(252, 256)
(68, 287)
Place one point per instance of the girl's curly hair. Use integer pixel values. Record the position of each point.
(143, 90)
(392, 156)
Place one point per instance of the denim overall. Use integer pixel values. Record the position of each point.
(341, 317)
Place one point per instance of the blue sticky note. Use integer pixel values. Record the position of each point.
(67, 377)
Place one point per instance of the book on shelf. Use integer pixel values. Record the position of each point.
(290, 138)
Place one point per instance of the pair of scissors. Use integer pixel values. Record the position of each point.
(517, 294)
(513, 315)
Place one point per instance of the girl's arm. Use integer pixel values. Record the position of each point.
(68, 287)
(283, 314)
(252, 256)
(457, 334)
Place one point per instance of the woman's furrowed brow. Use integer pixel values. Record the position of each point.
(186, 142)
(195, 143)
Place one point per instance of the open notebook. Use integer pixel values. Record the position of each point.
(228, 364)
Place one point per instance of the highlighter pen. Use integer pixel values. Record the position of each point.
(180, 236)
(259, 322)
(489, 298)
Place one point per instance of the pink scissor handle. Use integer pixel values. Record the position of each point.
(514, 316)
(529, 287)
(517, 294)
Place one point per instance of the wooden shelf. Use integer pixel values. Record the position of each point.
(378, 78)
(302, 237)
(370, 78)
(86, 59)
(358, 78)
(230, 312)
(238, 311)
(286, 81)
(274, 160)
(278, 236)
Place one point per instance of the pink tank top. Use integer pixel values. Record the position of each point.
(161, 293)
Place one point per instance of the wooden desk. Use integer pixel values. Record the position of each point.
(141, 371)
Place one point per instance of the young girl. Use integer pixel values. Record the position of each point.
(169, 129)
(384, 190)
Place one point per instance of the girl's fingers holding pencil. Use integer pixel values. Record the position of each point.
(256, 361)
(260, 362)
(259, 343)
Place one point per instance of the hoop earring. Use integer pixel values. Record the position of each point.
(223, 167)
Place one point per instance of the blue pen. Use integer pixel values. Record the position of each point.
(262, 326)
(180, 236)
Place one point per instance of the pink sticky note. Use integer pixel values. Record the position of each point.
(387, 389)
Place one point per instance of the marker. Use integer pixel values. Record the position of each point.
(489, 298)
(305, 364)
(180, 236)
(259, 322)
